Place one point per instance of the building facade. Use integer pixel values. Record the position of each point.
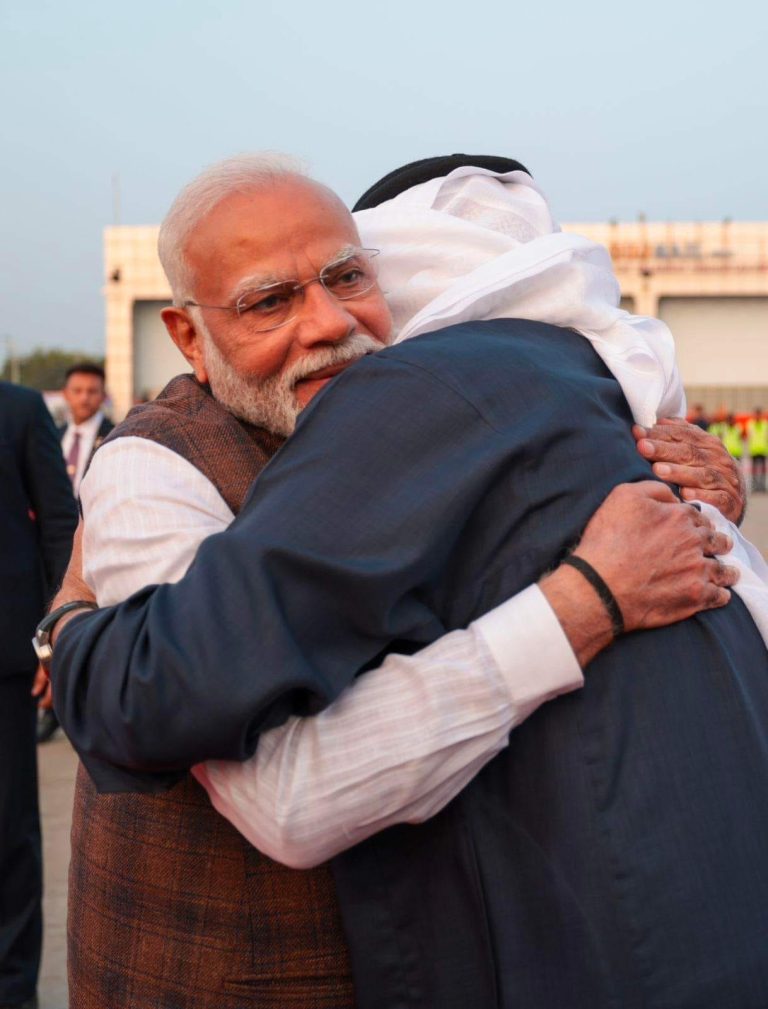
(708, 281)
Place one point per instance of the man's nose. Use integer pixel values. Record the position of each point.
(323, 318)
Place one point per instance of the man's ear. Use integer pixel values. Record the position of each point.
(183, 333)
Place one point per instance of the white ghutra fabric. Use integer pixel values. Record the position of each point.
(480, 245)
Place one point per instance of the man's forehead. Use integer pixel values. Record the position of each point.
(268, 276)
(260, 217)
(267, 230)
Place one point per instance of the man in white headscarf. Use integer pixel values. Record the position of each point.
(478, 243)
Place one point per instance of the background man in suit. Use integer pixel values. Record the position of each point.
(37, 519)
(84, 392)
(422, 412)
(87, 428)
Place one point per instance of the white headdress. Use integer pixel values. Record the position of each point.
(478, 245)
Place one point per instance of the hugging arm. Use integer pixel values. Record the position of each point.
(180, 673)
(411, 733)
(196, 670)
(387, 753)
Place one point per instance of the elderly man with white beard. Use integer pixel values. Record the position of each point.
(193, 492)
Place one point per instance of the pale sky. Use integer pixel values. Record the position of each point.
(658, 107)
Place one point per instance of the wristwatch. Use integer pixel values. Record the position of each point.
(42, 639)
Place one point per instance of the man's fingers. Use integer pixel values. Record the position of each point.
(698, 518)
(665, 430)
(683, 445)
(718, 597)
(652, 489)
(721, 574)
(705, 477)
(691, 458)
(720, 543)
(46, 701)
(675, 422)
(658, 450)
(678, 452)
(677, 429)
(40, 682)
(713, 543)
(727, 504)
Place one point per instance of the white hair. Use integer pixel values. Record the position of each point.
(240, 174)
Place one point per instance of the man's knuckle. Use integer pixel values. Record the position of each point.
(674, 451)
(725, 501)
(702, 521)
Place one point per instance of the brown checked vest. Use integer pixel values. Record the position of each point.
(169, 906)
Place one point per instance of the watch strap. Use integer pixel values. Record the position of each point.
(42, 639)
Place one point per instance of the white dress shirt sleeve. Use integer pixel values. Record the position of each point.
(146, 512)
(402, 742)
(397, 746)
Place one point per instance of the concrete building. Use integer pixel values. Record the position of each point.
(140, 357)
(707, 281)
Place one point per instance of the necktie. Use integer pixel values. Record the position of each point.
(73, 457)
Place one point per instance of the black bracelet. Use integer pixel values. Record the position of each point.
(606, 596)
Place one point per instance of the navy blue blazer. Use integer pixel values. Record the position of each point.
(38, 517)
(614, 854)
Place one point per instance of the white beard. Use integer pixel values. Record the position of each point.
(271, 402)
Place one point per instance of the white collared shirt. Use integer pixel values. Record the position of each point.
(88, 432)
(397, 746)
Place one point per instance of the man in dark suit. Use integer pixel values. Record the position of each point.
(37, 520)
(84, 392)
(577, 868)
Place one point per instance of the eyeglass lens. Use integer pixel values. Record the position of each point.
(276, 304)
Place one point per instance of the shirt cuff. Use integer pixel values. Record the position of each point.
(530, 648)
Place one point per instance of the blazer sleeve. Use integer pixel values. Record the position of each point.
(50, 492)
(330, 561)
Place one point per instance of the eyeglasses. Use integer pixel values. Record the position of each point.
(272, 306)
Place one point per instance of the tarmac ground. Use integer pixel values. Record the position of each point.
(57, 764)
(57, 777)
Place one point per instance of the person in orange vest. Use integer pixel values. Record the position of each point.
(757, 443)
